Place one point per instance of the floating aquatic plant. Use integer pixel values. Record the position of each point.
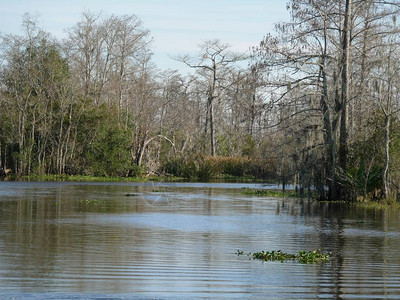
(159, 191)
(306, 257)
(87, 201)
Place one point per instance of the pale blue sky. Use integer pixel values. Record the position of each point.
(177, 26)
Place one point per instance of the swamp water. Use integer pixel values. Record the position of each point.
(174, 240)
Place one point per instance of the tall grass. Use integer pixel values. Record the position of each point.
(194, 168)
(204, 168)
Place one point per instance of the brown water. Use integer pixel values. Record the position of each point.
(167, 241)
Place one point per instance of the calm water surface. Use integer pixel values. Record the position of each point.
(166, 241)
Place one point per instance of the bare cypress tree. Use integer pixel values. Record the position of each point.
(213, 64)
(313, 56)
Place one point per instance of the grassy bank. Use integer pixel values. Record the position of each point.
(152, 178)
(86, 178)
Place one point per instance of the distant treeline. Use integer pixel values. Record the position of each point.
(317, 105)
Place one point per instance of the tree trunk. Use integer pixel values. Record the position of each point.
(211, 117)
(329, 136)
(21, 142)
(385, 186)
(345, 87)
(330, 145)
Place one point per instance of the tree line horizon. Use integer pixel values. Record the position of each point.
(317, 104)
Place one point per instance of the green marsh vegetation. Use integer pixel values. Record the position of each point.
(270, 193)
(367, 203)
(305, 257)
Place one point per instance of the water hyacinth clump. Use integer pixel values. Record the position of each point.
(316, 256)
(273, 256)
(306, 257)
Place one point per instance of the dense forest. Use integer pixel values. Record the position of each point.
(317, 103)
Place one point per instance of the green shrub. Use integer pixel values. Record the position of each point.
(137, 171)
(206, 169)
(103, 147)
